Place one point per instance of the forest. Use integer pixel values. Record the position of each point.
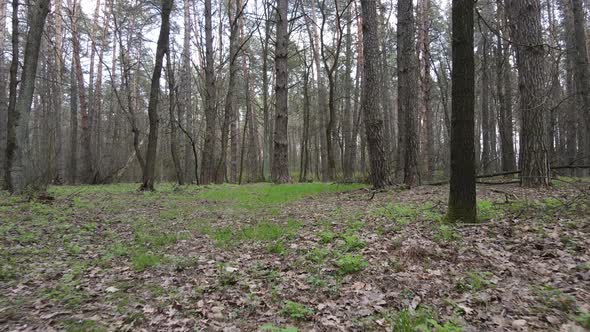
(295, 165)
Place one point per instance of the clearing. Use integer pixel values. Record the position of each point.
(304, 257)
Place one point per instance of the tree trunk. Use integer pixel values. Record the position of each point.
(582, 78)
(280, 165)
(149, 173)
(370, 100)
(526, 27)
(172, 101)
(504, 90)
(207, 160)
(407, 99)
(17, 170)
(462, 200)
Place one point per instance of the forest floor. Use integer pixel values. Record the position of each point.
(307, 257)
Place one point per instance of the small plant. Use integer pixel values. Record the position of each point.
(352, 242)
(423, 320)
(475, 281)
(446, 233)
(401, 214)
(297, 311)
(486, 210)
(316, 282)
(583, 318)
(277, 247)
(351, 263)
(318, 255)
(143, 260)
(228, 276)
(326, 236)
(554, 298)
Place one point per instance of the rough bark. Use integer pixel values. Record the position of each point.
(172, 104)
(582, 78)
(280, 164)
(370, 101)
(462, 197)
(525, 22)
(407, 99)
(504, 91)
(208, 164)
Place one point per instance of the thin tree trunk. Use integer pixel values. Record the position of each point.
(208, 164)
(280, 165)
(149, 173)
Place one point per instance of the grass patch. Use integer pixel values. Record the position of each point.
(475, 281)
(351, 263)
(422, 320)
(297, 311)
(143, 260)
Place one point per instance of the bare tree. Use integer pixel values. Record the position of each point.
(149, 172)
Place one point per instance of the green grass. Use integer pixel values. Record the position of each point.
(297, 311)
(264, 231)
(256, 196)
(421, 320)
(351, 263)
(143, 260)
(475, 281)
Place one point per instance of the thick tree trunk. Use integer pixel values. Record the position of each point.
(370, 101)
(582, 78)
(525, 20)
(280, 164)
(149, 172)
(407, 98)
(17, 154)
(462, 200)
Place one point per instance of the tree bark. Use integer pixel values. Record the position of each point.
(462, 200)
(407, 99)
(18, 173)
(525, 21)
(149, 172)
(582, 78)
(207, 160)
(370, 101)
(280, 165)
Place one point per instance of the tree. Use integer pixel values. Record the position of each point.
(208, 163)
(462, 200)
(280, 164)
(582, 74)
(407, 97)
(149, 172)
(17, 164)
(370, 101)
(525, 22)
